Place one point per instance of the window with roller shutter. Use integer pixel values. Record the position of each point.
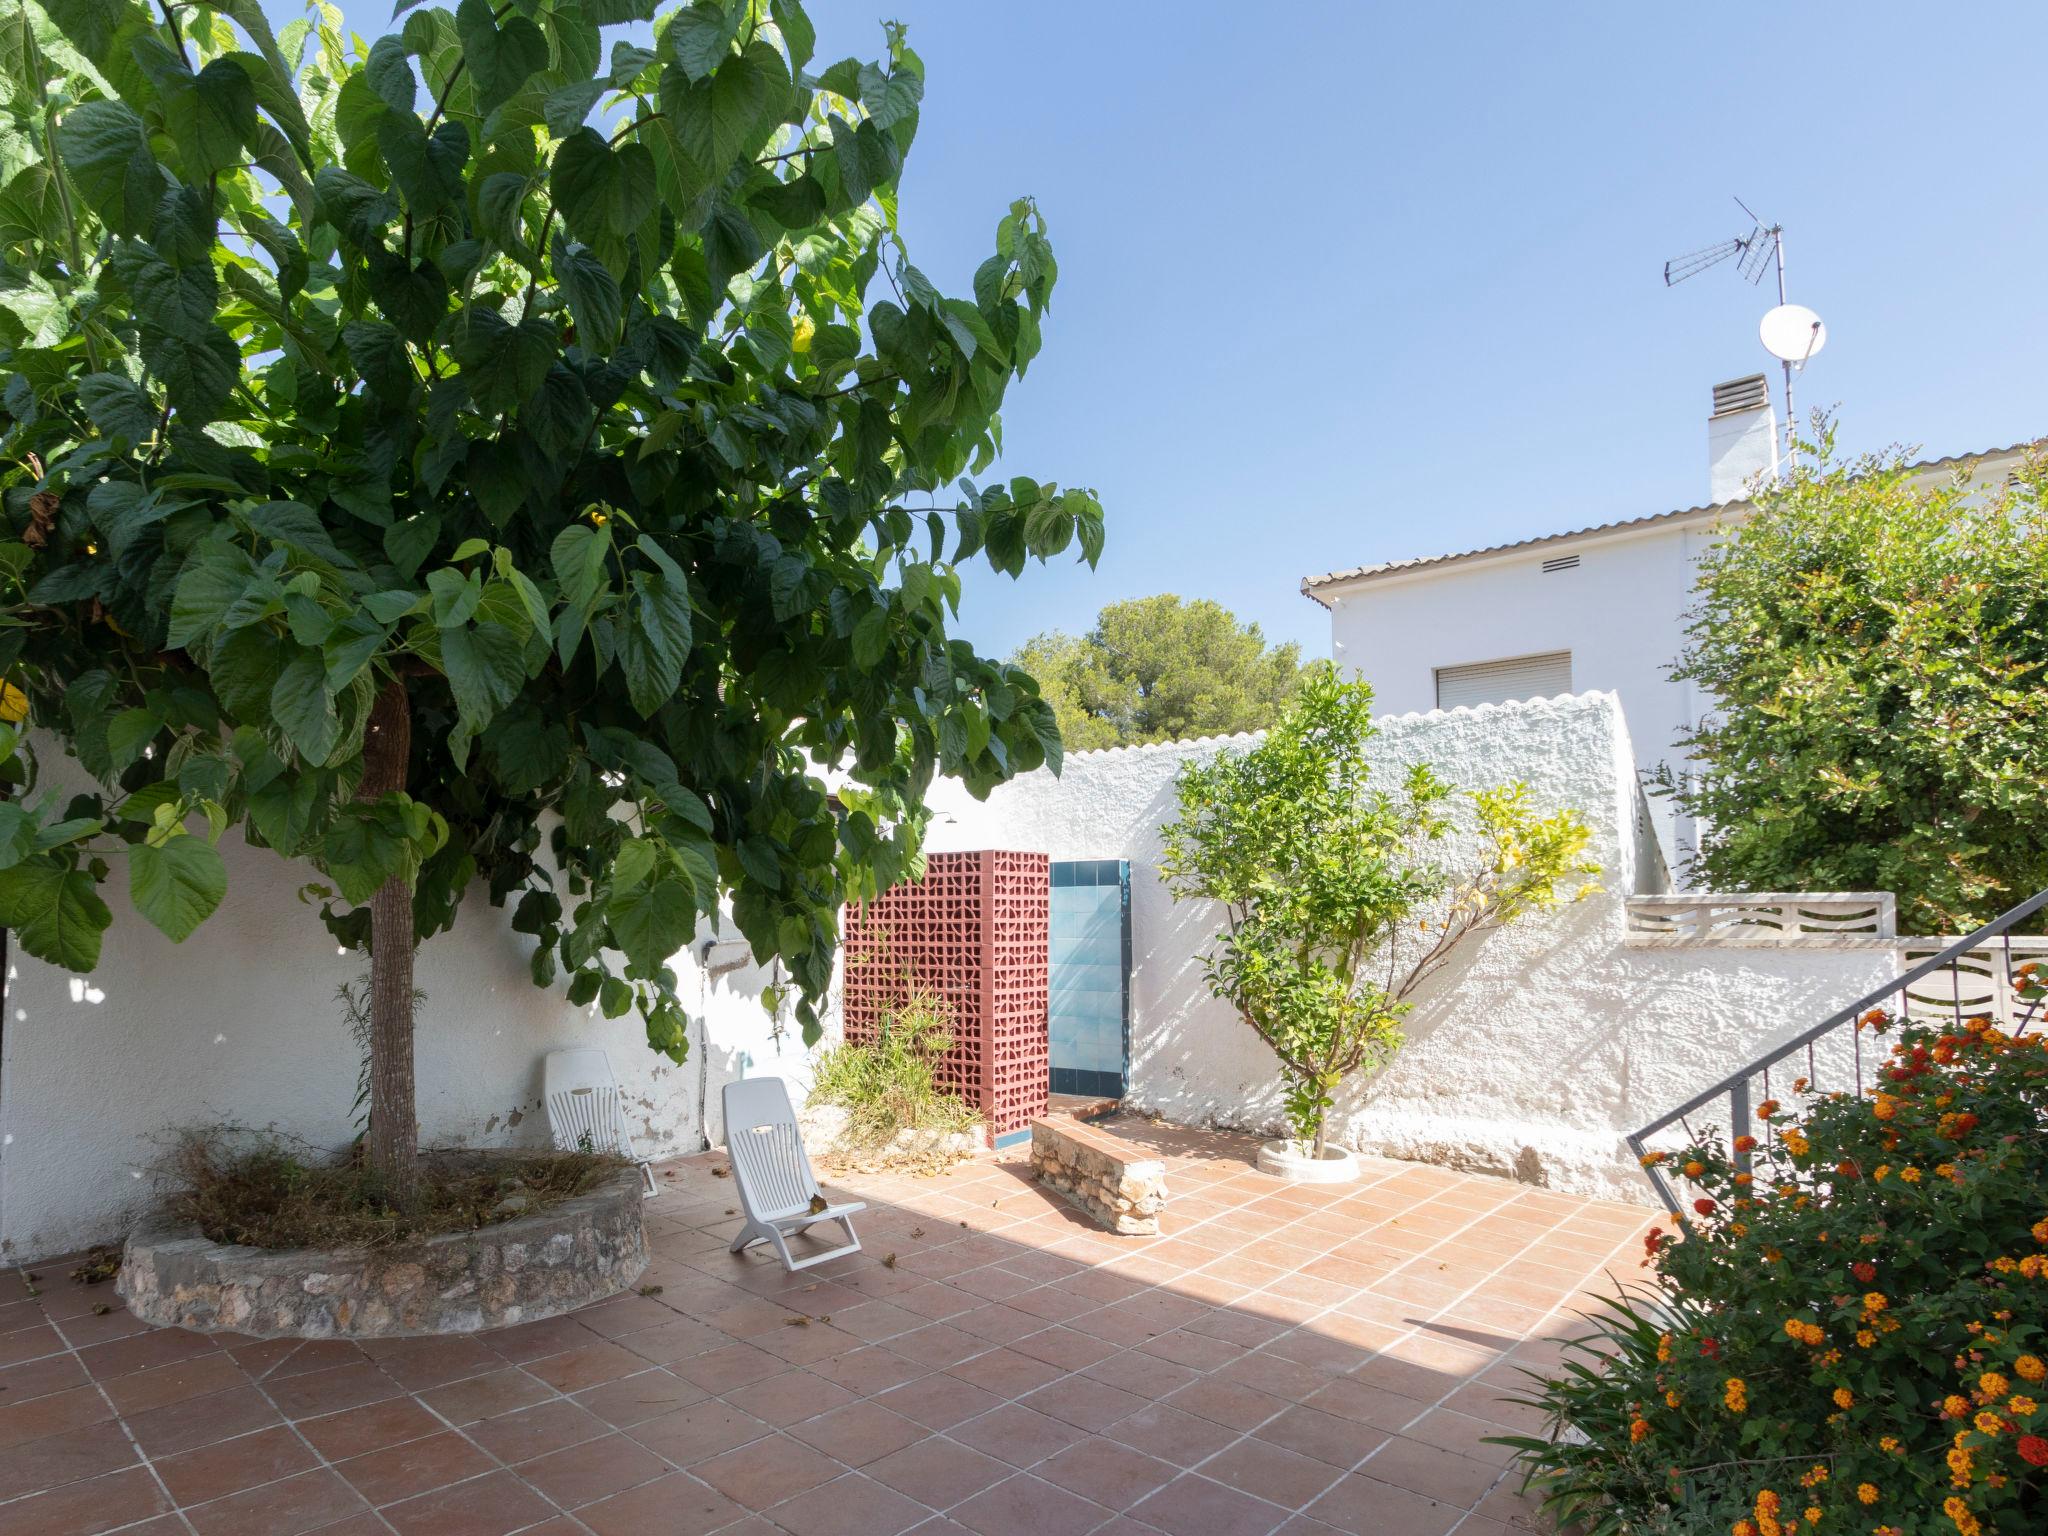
(1502, 682)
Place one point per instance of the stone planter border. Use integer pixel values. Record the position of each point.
(1337, 1165)
(517, 1271)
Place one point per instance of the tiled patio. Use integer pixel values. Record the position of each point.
(1284, 1359)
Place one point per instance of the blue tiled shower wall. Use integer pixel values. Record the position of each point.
(1090, 1013)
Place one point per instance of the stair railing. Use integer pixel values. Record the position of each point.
(1832, 1051)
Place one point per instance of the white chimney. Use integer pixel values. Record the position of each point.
(1742, 438)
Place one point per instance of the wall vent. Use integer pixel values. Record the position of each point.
(1750, 394)
(1561, 563)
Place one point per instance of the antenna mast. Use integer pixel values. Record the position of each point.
(1790, 333)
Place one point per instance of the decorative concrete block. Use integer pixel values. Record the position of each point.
(1114, 1182)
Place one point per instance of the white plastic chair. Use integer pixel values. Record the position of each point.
(776, 1185)
(585, 1112)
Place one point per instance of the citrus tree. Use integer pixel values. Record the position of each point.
(485, 459)
(1337, 905)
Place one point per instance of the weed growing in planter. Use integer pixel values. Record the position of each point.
(268, 1191)
(896, 1111)
(1850, 1335)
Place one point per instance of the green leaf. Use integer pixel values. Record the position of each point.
(128, 733)
(652, 923)
(303, 708)
(177, 886)
(500, 58)
(359, 210)
(717, 117)
(55, 912)
(198, 372)
(601, 190)
(117, 406)
(565, 110)
(486, 668)
(210, 117)
(106, 149)
(121, 509)
(298, 527)
(592, 294)
(700, 37)
(389, 72)
(503, 363)
(655, 644)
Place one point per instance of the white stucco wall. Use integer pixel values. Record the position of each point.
(1534, 1054)
(240, 1025)
(1619, 613)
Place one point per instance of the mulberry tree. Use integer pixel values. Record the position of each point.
(499, 457)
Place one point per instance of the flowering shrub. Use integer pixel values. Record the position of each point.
(1850, 1334)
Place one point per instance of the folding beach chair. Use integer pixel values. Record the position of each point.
(585, 1113)
(776, 1185)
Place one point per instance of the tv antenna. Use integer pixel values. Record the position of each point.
(1791, 333)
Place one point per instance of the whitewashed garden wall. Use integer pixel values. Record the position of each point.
(240, 1025)
(1535, 1052)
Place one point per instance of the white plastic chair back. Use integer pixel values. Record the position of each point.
(774, 1177)
(584, 1109)
(768, 1158)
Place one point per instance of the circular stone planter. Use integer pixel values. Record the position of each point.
(516, 1271)
(1337, 1165)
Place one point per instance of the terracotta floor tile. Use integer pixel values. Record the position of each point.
(1021, 1436)
(938, 1401)
(417, 1364)
(493, 1505)
(530, 1341)
(277, 1359)
(767, 1471)
(1005, 1372)
(75, 1454)
(682, 1339)
(594, 1470)
(1108, 1473)
(1429, 1470)
(39, 1378)
(859, 1432)
(640, 1397)
(229, 1466)
(82, 1509)
(937, 1471)
(141, 1351)
(202, 1421)
(358, 1431)
(1192, 1505)
(727, 1369)
(868, 1371)
(486, 1397)
(1067, 1348)
(1171, 1435)
(1360, 1506)
(1084, 1403)
(329, 1391)
(698, 1432)
(1148, 1376)
(1025, 1505)
(1339, 1442)
(1365, 1403)
(849, 1506)
(675, 1505)
(535, 1431)
(1271, 1472)
(414, 1467)
(302, 1503)
(790, 1398)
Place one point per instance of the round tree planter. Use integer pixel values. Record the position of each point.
(517, 1271)
(1337, 1165)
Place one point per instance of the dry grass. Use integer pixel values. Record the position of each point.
(264, 1191)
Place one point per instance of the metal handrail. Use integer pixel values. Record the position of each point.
(1735, 1086)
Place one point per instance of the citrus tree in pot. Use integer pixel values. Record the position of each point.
(1338, 904)
(479, 461)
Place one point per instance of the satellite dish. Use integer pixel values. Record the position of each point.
(1792, 333)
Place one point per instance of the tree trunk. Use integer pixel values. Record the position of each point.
(393, 1140)
(1322, 1135)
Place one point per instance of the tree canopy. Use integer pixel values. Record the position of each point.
(479, 457)
(1873, 644)
(1161, 669)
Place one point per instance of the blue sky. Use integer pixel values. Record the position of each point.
(1349, 282)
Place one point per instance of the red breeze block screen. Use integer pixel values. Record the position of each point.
(976, 930)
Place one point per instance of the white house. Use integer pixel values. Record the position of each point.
(1595, 608)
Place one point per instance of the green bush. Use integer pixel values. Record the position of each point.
(889, 1087)
(1849, 1337)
